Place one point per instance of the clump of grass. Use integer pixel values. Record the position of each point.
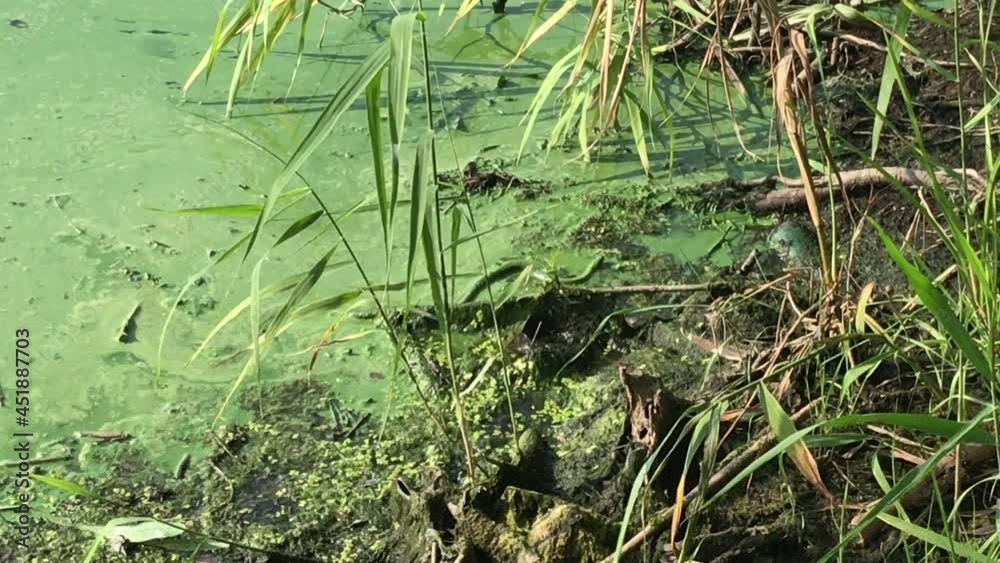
(946, 332)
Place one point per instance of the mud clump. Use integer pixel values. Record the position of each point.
(619, 217)
(487, 176)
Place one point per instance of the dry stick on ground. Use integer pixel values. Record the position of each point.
(651, 288)
(854, 181)
(662, 519)
(862, 42)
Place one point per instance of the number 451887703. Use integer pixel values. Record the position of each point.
(21, 370)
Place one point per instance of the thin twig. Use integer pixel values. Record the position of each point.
(650, 288)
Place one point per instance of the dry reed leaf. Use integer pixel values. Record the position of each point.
(864, 298)
(906, 456)
(725, 351)
(782, 427)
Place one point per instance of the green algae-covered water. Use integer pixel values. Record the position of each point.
(100, 145)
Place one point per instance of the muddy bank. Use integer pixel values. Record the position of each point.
(600, 380)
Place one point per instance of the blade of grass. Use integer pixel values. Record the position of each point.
(937, 303)
(707, 425)
(889, 74)
(272, 289)
(254, 336)
(912, 478)
(638, 132)
(92, 551)
(298, 226)
(544, 90)
(554, 19)
(341, 101)
(950, 545)
(373, 102)
(419, 201)
(400, 61)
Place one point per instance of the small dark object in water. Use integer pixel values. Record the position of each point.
(485, 176)
(19, 24)
(499, 6)
(159, 32)
(126, 334)
(182, 467)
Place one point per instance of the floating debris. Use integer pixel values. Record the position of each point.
(182, 466)
(126, 335)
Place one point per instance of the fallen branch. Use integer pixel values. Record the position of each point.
(854, 182)
(662, 519)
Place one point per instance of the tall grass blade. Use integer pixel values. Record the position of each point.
(937, 303)
(265, 292)
(889, 75)
(68, 487)
(373, 102)
(401, 58)
(912, 478)
(924, 423)
(419, 202)
(255, 331)
(244, 210)
(638, 132)
(341, 101)
(222, 36)
(464, 9)
(93, 550)
(950, 545)
(234, 83)
(300, 50)
(300, 291)
(544, 90)
(554, 19)
(706, 433)
(633, 497)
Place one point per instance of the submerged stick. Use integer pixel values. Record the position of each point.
(37, 460)
(104, 436)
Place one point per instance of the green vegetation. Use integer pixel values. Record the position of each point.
(638, 400)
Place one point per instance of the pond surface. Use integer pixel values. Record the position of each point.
(98, 141)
